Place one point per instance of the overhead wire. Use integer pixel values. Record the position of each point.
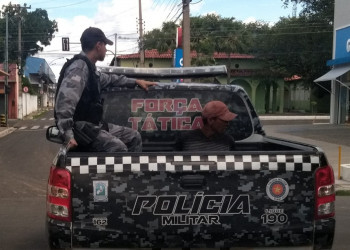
(171, 11)
(170, 6)
(178, 17)
(156, 3)
(197, 2)
(68, 5)
(204, 31)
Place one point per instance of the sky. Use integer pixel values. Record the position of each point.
(118, 18)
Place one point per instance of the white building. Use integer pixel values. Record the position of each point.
(340, 63)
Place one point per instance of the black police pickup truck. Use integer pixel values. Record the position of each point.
(268, 192)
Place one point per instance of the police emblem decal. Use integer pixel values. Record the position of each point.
(100, 191)
(277, 189)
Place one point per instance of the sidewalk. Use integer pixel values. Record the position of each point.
(330, 138)
(6, 130)
(11, 122)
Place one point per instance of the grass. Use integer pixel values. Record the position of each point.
(342, 193)
(38, 113)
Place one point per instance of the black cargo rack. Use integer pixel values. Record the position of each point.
(167, 73)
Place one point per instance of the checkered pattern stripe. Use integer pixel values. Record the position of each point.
(86, 165)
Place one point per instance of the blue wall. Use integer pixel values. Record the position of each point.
(35, 65)
(342, 37)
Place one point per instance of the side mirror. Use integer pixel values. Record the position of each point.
(54, 135)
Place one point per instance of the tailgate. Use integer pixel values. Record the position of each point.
(193, 200)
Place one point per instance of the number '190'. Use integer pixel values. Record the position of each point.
(274, 218)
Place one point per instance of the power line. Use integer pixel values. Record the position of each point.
(174, 5)
(178, 15)
(197, 2)
(68, 5)
(200, 33)
(170, 5)
(179, 8)
(156, 4)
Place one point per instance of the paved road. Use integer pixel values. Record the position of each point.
(25, 156)
(326, 136)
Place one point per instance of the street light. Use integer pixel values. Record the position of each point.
(55, 60)
(53, 88)
(115, 57)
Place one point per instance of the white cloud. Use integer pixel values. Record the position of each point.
(249, 20)
(6, 2)
(196, 8)
(113, 17)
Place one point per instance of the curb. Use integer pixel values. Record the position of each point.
(293, 117)
(342, 187)
(6, 131)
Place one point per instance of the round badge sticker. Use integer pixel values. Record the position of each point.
(277, 189)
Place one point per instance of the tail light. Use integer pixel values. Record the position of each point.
(58, 202)
(325, 193)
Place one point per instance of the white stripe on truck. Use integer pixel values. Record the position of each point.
(86, 165)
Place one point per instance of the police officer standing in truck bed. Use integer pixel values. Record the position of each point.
(79, 107)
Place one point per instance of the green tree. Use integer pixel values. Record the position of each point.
(261, 46)
(36, 27)
(313, 36)
(296, 46)
(209, 34)
(161, 39)
(315, 9)
(213, 33)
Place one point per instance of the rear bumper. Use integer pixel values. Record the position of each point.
(59, 233)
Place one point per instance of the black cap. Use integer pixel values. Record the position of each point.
(93, 34)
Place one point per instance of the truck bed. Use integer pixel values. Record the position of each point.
(182, 199)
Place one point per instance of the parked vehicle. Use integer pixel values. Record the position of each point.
(268, 192)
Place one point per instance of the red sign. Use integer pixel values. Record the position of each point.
(179, 37)
(25, 89)
(155, 109)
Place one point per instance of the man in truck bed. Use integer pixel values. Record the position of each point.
(216, 117)
(79, 106)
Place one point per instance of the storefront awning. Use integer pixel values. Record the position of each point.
(333, 73)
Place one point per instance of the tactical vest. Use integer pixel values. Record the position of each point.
(90, 105)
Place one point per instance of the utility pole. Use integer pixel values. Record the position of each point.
(186, 33)
(20, 36)
(294, 10)
(20, 50)
(19, 56)
(142, 52)
(6, 66)
(115, 50)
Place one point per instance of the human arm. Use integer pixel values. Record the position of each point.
(145, 84)
(113, 80)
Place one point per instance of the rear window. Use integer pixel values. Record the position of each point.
(159, 115)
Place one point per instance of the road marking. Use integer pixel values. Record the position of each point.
(320, 123)
(34, 127)
(51, 119)
(43, 119)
